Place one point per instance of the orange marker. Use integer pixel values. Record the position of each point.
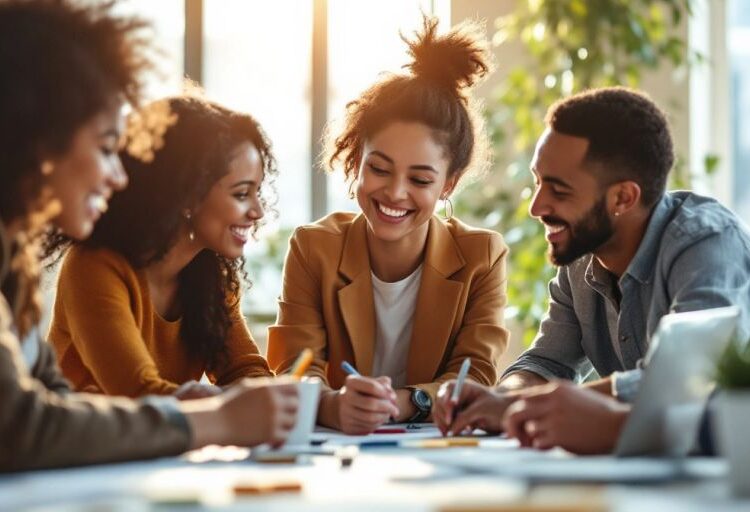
(302, 363)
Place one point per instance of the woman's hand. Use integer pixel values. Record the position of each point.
(365, 403)
(249, 413)
(193, 389)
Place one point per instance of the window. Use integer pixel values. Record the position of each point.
(168, 20)
(256, 57)
(738, 46)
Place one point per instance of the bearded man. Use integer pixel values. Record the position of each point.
(628, 252)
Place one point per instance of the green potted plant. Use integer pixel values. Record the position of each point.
(733, 414)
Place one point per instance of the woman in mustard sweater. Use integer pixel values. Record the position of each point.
(151, 300)
(394, 290)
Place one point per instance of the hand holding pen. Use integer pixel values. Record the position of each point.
(450, 398)
(478, 407)
(365, 403)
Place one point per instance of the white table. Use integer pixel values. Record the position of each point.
(390, 479)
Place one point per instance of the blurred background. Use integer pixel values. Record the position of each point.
(293, 64)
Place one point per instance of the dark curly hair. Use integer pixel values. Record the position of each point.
(61, 64)
(627, 133)
(434, 93)
(144, 221)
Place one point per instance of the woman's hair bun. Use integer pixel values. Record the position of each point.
(455, 60)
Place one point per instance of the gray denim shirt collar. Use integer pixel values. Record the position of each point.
(642, 264)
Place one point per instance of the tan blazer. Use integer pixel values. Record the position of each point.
(327, 303)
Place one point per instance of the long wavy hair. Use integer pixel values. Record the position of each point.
(145, 220)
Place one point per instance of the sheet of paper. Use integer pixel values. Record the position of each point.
(413, 431)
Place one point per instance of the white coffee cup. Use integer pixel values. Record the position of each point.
(309, 391)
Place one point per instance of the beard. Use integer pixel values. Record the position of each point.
(584, 236)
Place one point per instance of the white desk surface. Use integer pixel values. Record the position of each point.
(496, 474)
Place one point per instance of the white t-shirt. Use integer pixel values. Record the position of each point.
(394, 311)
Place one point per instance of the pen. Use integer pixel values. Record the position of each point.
(348, 368)
(460, 379)
(378, 444)
(302, 363)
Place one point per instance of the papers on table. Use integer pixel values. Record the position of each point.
(327, 436)
(503, 457)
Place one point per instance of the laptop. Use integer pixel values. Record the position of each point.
(679, 376)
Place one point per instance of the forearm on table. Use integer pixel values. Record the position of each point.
(518, 381)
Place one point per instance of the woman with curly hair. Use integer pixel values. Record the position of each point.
(403, 295)
(66, 69)
(150, 301)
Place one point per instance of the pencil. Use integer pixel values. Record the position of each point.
(302, 363)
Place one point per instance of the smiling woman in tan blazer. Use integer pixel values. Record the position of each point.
(397, 292)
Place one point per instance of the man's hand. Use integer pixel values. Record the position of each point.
(477, 406)
(562, 414)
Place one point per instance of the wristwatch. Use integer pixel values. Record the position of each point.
(423, 403)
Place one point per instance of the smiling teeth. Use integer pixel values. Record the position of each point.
(241, 232)
(392, 212)
(99, 203)
(551, 230)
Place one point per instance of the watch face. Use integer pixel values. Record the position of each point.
(422, 400)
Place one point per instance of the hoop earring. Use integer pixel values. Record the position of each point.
(447, 208)
(47, 168)
(191, 233)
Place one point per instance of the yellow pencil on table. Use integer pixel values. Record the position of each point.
(449, 442)
(302, 363)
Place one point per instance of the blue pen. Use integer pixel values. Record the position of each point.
(348, 368)
(378, 444)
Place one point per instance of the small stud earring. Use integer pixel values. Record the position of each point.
(47, 167)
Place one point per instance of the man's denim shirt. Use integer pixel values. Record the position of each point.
(695, 254)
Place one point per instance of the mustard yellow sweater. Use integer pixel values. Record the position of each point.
(109, 339)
